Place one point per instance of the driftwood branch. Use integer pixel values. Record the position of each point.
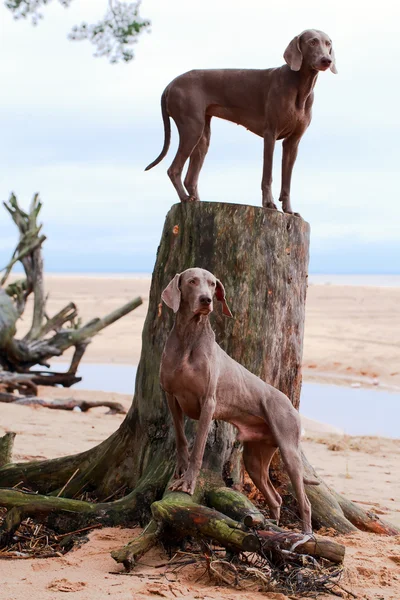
(64, 404)
(22, 382)
(47, 337)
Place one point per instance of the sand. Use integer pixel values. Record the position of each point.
(351, 335)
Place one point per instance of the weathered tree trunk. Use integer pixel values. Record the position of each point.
(261, 256)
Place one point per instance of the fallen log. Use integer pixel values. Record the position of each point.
(316, 545)
(185, 517)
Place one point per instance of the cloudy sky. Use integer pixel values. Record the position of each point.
(80, 131)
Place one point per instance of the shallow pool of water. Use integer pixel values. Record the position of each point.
(356, 411)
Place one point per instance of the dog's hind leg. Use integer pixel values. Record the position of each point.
(294, 466)
(257, 458)
(190, 132)
(196, 161)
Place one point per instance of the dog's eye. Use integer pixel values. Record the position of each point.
(192, 281)
(313, 42)
(329, 44)
(212, 284)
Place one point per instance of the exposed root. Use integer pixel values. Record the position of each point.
(6, 447)
(22, 505)
(66, 514)
(179, 516)
(365, 520)
(45, 475)
(237, 506)
(331, 510)
(132, 552)
(282, 573)
(186, 518)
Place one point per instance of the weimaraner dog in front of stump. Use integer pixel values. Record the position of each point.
(272, 103)
(202, 382)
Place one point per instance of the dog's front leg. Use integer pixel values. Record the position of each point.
(187, 482)
(266, 184)
(289, 153)
(182, 451)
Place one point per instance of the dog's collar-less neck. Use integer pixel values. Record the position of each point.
(308, 79)
(193, 326)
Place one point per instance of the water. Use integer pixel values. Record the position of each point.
(355, 411)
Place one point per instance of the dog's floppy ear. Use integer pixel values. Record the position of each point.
(333, 63)
(220, 295)
(293, 55)
(172, 294)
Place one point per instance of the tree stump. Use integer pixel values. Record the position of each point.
(261, 256)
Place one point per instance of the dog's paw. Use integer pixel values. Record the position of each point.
(180, 470)
(190, 198)
(183, 485)
(182, 463)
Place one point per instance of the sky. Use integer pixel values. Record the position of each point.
(80, 131)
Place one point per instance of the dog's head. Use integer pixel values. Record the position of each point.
(194, 289)
(313, 48)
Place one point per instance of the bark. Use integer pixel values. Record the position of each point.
(261, 256)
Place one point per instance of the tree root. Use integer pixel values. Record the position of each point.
(45, 476)
(132, 552)
(185, 517)
(330, 509)
(6, 448)
(179, 515)
(65, 514)
(237, 506)
(22, 505)
(364, 520)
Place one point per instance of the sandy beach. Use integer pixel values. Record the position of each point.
(352, 335)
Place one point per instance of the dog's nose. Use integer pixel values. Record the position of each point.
(206, 300)
(326, 61)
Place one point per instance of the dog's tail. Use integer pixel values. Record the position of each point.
(311, 481)
(167, 132)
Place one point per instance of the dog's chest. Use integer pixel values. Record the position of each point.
(185, 373)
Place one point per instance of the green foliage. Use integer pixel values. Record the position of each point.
(113, 35)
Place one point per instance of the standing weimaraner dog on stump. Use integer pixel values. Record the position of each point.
(201, 381)
(272, 103)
